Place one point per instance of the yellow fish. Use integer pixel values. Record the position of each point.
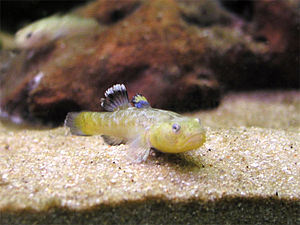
(142, 126)
(51, 28)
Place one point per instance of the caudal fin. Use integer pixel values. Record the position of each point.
(71, 122)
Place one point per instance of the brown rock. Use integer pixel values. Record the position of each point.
(162, 49)
(149, 51)
(278, 23)
(108, 12)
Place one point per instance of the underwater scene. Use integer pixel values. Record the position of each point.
(150, 112)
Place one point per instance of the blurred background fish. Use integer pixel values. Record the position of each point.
(51, 28)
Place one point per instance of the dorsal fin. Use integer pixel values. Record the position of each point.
(140, 101)
(116, 97)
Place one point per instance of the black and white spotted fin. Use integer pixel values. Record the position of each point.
(116, 97)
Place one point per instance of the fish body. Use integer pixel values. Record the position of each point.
(51, 28)
(140, 125)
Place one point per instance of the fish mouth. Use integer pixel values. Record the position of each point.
(198, 138)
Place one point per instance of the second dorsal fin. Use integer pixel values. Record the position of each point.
(116, 97)
(140, 101)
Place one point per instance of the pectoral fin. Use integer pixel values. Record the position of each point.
(138, 151)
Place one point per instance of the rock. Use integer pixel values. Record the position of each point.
(151, 51)
(243, 174)
(178, 56)
(109, 12)
(277, 23)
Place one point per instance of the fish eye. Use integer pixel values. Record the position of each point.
(175, 127)
(29, 35)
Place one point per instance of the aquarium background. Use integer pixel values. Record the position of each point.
(233, 64)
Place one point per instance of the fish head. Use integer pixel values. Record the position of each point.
(177, 135)
(31, 37)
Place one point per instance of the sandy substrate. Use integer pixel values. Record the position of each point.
(248, 171)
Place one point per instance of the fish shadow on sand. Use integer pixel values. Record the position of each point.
(177, 161)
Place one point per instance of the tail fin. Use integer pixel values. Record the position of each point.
(70, 122)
